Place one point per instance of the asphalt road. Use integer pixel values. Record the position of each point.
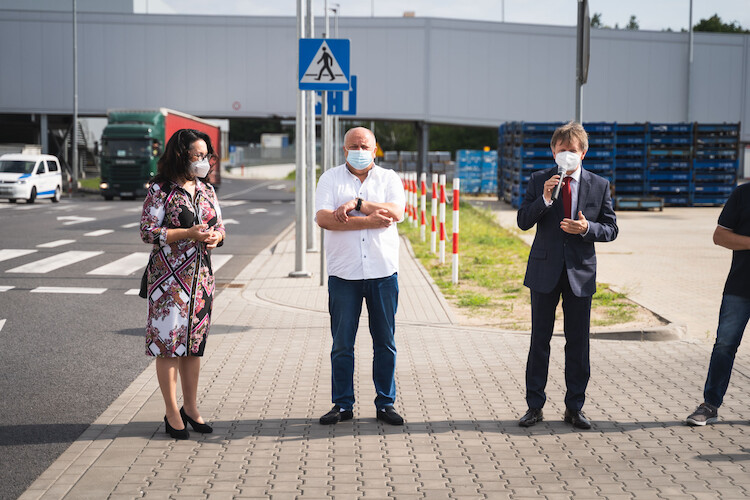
(66, 356)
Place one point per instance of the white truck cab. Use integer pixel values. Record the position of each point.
(28, 177)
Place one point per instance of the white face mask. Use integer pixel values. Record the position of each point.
(200, 168)
(568, 160)
(359, 159)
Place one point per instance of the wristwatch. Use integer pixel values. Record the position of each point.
(359, 204)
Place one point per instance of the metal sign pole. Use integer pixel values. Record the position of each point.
(310, 157)
(74, 140)
(299, 195)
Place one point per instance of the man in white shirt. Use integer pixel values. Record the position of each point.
(359, 204)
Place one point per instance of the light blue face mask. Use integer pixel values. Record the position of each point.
(359, 159)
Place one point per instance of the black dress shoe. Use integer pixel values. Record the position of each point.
(336, 415)
(532, 416)
(576, 418)
(197, 427)
(176, 433)
(389, 416)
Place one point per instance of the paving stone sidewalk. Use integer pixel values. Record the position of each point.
(266, 380)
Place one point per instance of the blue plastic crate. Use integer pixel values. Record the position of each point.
(631, 139)
(717, 127)
(668, 188)
(669, 176)
(714, 188)
(670, 127)
(630, 164)
(629, 176)
(717, 164)
(595, 127)
(631, 128)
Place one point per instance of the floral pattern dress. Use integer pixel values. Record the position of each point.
(180, 279)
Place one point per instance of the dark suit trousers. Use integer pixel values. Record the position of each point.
(576, 317)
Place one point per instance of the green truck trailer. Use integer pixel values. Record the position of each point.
(132, 143)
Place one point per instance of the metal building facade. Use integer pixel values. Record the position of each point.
(424, 69)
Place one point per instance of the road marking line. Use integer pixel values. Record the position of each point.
(54, 262)
(6, 254)
(68, 289)
(231, 203)
(133, 291)
(132, 224)
(277, 187)
(5, 288)
(254, 211)
(56, 243)
(133, 210)
(123, 267)
(219, 260)
(99, 209)
(100, 232)
(229, 221)
(74, 219)
(2, 324)
(27, 207)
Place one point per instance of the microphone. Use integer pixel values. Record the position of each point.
(561, 172)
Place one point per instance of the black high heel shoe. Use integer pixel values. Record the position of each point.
(197, 427)
(176, 433)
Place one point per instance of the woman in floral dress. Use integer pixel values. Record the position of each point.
(182, 220)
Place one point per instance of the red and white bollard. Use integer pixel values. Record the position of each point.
(405, 180)
(414, 198)
(433, 234)
(423, 206)
(441, 252)
(456, 182)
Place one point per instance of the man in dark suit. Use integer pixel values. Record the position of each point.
(562, 261)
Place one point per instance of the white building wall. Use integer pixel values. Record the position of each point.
(437, 70)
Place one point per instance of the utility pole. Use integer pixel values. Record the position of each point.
(310, 158)
(688, 107)
(74, 143)
(299, 194)
(325, 157)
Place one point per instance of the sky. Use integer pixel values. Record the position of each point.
(654, 15)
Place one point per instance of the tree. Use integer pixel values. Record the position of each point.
(596, 20)
(715, 24)
(632, 24)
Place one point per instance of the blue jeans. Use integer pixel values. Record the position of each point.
(733, 317)
(345, 305)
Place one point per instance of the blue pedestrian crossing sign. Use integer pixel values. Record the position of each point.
(323, 64)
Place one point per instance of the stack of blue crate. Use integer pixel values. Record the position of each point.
(600, 158)
(469, 170)
(630, 159)
(716, 162)
(670, 159)
(504, 144)
(532, 153)
(489, 172)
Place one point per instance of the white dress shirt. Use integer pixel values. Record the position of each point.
(366, 253)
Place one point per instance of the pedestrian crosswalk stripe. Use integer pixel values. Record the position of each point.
(219, 260)
(5, 288)
(132, 224)
(101, 208)
(56, 243)
(6, 254)
(68, 289)
(124, 266)
(133, 291)
(27, 207)
(54, 262)
(231, 203)
(99, 232)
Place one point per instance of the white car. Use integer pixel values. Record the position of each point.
(28, 177)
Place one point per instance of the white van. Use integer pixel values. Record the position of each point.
(28, 177)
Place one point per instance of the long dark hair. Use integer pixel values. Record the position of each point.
(175, 162)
